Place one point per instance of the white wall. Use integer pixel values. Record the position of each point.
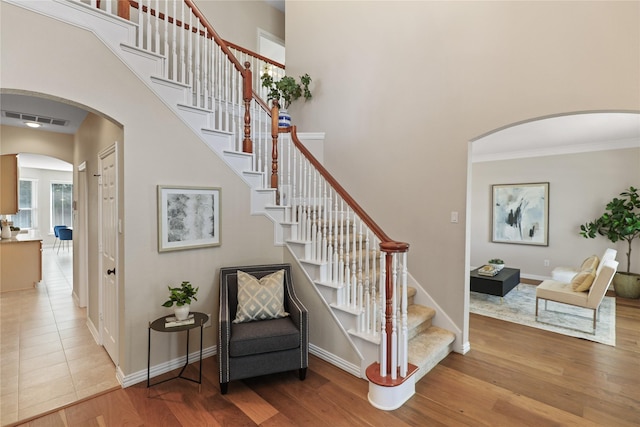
(401, 87)
(580, 185)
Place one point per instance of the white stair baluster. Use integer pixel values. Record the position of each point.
(404, 344)
(383, 332)
(174, 51)
(354, 251)
(157, 28)
(394, 319)
(314, 216)
(325, 202)
(198, 66)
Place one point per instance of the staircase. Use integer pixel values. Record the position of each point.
(340, 253)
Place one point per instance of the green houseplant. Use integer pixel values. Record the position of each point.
(181, 296)
(620, 221)
(285, 91)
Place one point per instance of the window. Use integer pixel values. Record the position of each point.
(61, 203)
(26, 216)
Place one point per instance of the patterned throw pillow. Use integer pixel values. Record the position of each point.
(260, 299)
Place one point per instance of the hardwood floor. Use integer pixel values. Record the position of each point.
(513, 376)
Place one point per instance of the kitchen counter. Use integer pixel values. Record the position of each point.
(30, 236)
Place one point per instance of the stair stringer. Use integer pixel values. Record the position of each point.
(441, 320)
(357, 371)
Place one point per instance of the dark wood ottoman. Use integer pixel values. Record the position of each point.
(499, 285)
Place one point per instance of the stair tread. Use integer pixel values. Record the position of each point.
(428, 348)
(417, 314)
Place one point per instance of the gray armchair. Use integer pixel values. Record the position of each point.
(260, 347)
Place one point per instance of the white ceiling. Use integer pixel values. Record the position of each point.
(566, 134)
(548, 136)
(41, 108)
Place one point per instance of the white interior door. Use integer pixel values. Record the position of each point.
(109, 252)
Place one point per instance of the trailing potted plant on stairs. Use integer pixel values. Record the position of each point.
(285, 91)
(181, 296)
(620, 221)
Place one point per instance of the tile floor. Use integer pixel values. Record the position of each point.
(49, 357)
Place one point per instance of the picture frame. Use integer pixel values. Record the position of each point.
(520, 213)
(188, 217)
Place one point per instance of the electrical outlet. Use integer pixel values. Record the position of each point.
(546, 263)
(208, 322)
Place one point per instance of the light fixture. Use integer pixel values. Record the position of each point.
(33, 124)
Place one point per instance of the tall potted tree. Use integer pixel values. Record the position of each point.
(285, 91)
(620, 221)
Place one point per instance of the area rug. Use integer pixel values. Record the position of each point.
(519, 306)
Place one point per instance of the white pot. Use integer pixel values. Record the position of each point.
(284, 118)
(497, 266)
(181, 312)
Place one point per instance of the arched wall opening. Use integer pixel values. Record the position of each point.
(586, 157)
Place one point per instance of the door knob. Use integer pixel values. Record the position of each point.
(112, 271)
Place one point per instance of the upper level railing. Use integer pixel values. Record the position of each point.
(368, 268)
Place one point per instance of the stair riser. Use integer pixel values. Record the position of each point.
(171, 92)
(238, 161)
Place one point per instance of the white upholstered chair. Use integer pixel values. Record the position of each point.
(562, 292)
(566, 274)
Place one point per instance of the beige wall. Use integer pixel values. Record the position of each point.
(94, 135)
(580, 185)
(75, 66)
(401, 87)
(238, 21)
(22, 140)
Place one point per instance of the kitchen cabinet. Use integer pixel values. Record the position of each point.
(20, 262)
(9, 184)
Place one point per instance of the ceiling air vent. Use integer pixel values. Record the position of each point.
(12, 115)
(35, 118)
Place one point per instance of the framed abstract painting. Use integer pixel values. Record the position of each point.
(520, 213)
(188, 217)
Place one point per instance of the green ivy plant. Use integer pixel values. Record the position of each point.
(287, 89)
(496, 261)
(620, 221)
(181, 295)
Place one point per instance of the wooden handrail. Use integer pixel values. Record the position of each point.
(387, 244)
(256, 55)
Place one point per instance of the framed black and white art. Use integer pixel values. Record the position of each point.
(188, 217)
(520, 213)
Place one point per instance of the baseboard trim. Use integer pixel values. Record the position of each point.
(335, 360)
(140, 376)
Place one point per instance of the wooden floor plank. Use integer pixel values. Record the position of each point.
(513, 375)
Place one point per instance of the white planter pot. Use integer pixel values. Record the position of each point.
(284, 119)
(497, 266)
(181, 312)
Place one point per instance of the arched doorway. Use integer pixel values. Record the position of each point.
(586, 157)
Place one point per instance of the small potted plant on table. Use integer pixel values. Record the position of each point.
(181, 296)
